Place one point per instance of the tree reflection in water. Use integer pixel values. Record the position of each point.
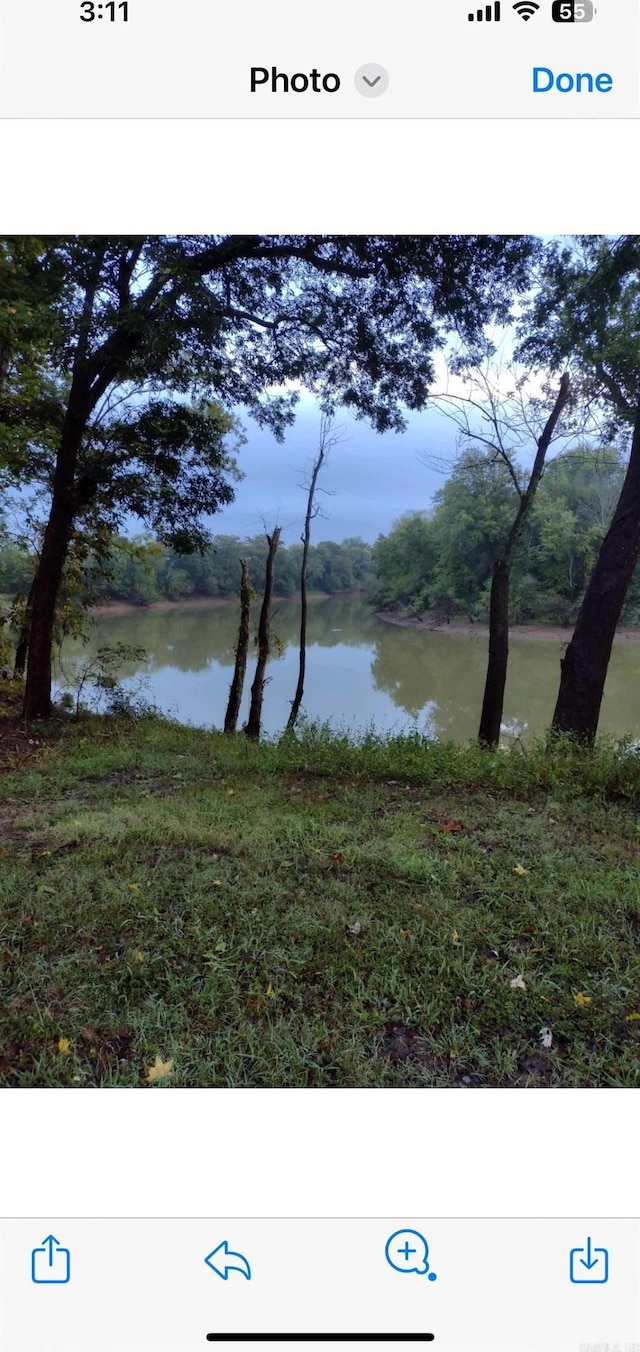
(362, 671)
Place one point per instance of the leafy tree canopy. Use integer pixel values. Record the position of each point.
(585, 317)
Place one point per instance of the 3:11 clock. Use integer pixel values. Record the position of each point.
(90, 11)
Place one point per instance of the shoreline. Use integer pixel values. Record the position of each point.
(195, 603)
(552, 633)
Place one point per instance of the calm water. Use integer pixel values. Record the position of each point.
(359, 671)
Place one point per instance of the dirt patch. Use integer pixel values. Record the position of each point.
(535, 1071)
(404, 1046)
(17, 744)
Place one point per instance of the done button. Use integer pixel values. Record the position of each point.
(544, 80)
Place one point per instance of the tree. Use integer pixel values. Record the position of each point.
(231, 319)
(585, 664)
(328, 439)
(242, 649)
(496, 679)
(588, 314)
(503, 423)
(473, 512)
(254, 720)
(404, 563)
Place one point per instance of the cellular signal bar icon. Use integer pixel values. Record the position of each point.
(488, 13)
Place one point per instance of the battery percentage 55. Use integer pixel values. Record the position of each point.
(572, 11)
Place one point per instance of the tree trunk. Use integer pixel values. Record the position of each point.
(496, 679)
(306, 540)
(254, 720)
(302, 658)
(55, 546)
(242, 648)
(22, 647)
(585, 664)
(37, 695)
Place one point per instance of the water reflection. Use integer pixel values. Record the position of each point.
(360, 671)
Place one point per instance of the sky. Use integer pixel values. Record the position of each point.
(370, 479)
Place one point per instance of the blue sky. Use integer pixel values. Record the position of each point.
(372, 479)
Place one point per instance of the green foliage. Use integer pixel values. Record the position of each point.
(404, 563)
(317, 912)
(585, 316)
(442, 561)
(140, 571)
(99, 674)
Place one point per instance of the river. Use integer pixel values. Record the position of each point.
(360, 671)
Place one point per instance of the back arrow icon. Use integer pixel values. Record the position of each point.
(227, 1261)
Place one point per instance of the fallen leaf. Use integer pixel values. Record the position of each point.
(404, 933)
(337, 858)
(270, 992)
(633, 1018)
(217, 882)
(230, 793)
(580, 1000)
(64, 1046)
(137, 955)
(133, 887)
(452, 825)
(520, 870)
(546, 1036)
(518, 983)
(455, 937)
(160, 1070)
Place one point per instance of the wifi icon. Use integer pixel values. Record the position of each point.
(526, 9)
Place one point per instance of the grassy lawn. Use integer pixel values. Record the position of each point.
(182, 909)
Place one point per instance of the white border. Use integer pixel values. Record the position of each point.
(404, 177)
(265, 1152)
(321, 1152)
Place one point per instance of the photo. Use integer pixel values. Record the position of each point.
(320, 661)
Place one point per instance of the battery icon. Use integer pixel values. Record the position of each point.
(572, 11)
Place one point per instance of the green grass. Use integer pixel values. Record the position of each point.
(318, 913)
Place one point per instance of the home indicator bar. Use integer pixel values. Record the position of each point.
(321, 1337)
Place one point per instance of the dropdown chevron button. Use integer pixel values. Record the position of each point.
(371, 80)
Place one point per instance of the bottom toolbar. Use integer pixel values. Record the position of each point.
(69, 1285)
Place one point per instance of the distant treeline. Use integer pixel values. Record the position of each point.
(435, 563)
(440, 562)
(142, 571)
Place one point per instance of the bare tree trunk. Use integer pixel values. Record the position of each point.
(242, 648)
(496, 679)
(252, 727)
(586, 661)
(306, 540)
